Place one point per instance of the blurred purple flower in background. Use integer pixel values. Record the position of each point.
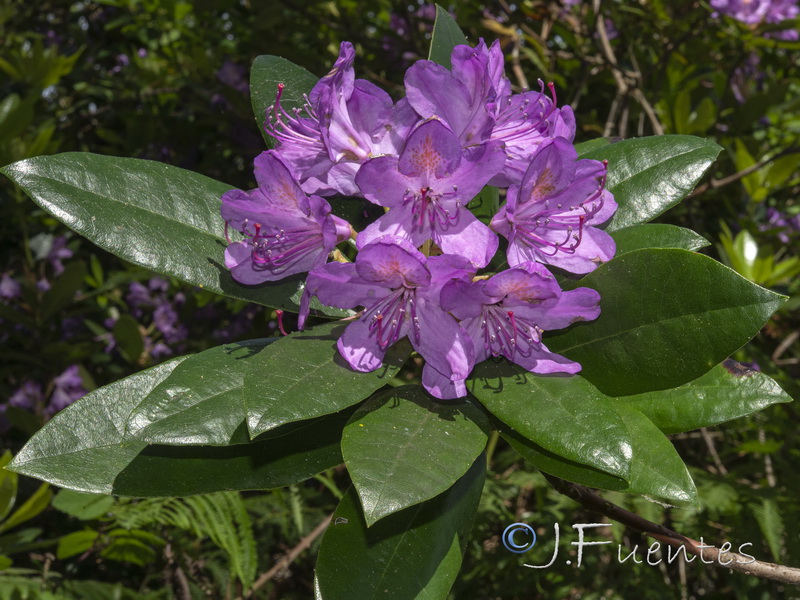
(67, 388)
(122, 61)
(785, 225)
(757, 12)
(9, 287)
(747, 78)
(28, 396)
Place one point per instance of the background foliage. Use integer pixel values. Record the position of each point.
(168, 80)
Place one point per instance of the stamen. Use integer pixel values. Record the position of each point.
(279, 315)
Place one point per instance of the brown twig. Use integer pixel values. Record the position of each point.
(769, 472)
(733, 560)
(290, 556)
(522, 81)
(713, 451)
(718, 183)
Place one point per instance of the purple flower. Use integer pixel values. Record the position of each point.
(166, 320)
(347, 122)
(54, 251)
(28, 396)
(426, 190)
(399, 289)
(234, 76)
(550, 217)
(286, 231)
(783, 225)
(158, 350)
(756, 12)
(507, 314)
(475, 100)
(747, 77)
(9, 287)
(67, 388)
(138, 296)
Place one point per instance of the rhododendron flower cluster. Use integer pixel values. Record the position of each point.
(428, 269)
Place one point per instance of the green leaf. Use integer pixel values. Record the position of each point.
(446, 36)
(403, 447)
(656, 467)
(82, 506)
(727, 392)
(566, 416)
(8, 485)
(652, 174)
(566, 427)
(413, 554)
(266, 74)
(131, 546)
(668, 316)
(770, 522)
(286, 455)
(553, 464)
(486, 204)
(30, 508)
(657, 235)
(76, 542)
(129, 338)
(61, 294)
(82, 448)
(304, 376)
(590, 145)
(151, 214)
(202, 402)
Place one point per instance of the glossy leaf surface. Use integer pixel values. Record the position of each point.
(151, 214)
(652, 174)
(303, 376)
(657, 235)
(413, 554)
(82, 449)
(202, 402)
(726, 392)
(564, 415)
(566, 427)
(668, 316)
(446, 36)
(403, 447)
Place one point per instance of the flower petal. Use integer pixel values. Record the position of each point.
(596, 247)
(528, 284)
(398, 222)
(278, 184)
(433, 91)
(360, 348)
(381, 182)
(441, 386)
(466, 236)
(431, 152)
(392, 262)
(340, 286)
(581, 304)
(542, 361)
(441, 341)
(465, 299)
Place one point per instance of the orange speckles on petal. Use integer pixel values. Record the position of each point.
(545, 185)
(424, 156)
